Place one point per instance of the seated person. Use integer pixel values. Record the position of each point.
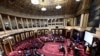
(76, 51)
(87, 48)
(59, 39)
(27, 52)
(36, 53)
(62, 49)
(85, 45)
(51, 38)
(37, 44)
(77, 40)
(69, 46)
(43, 39)
(94, 48)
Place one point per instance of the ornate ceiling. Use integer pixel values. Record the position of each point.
(69, 7)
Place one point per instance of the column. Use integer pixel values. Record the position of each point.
(10, 22)
(55, 22)
(81, 20)
(43, 22)
(86, 4)
(47, 22)
(84, 20)
(36, 23)
(31, 22)
(2, 23)
(51, 22)
(74, 21)
(22, 23)
(16, 22)
(27, 23)
(64, 22)
(40, 22)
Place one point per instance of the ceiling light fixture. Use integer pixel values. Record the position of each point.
(35, 2)
(43, 9)
(78, 0)
(58, 7)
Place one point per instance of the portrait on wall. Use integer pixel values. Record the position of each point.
(12, 41)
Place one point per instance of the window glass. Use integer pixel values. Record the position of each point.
(19, 23)
(6, 22)
(78, 20)
(25, 22)
(13, 22)
(29, 23)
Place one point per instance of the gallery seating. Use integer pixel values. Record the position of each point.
(42, 32)
(46, 39)
(37, 44)
(59, 39)
(26, 52)
(28, 43)
(61, 32)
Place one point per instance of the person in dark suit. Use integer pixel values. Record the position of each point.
(62, 49)
(94, 48)
(76, 51)
(36, 53)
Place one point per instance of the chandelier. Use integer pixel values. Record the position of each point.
(35, 2)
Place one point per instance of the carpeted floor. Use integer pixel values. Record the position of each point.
(52, 49)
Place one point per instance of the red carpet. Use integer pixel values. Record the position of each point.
(49, 49)
(52, 48)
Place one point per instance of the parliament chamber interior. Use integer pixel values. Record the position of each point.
(49, 27)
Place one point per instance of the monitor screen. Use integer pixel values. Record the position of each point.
(88, 37)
